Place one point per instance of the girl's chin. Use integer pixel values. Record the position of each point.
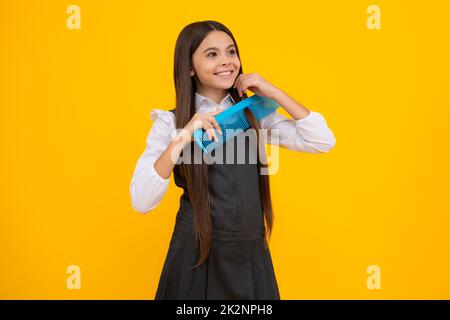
(224, 83)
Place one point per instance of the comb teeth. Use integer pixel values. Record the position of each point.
(232, 127)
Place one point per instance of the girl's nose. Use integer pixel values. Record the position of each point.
(225, 61)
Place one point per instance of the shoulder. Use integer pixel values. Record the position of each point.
(163, 117)
(163, 124)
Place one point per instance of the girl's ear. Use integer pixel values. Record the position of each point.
(192, 72)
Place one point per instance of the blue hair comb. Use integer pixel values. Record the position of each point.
(232, 121)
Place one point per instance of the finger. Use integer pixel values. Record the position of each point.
(207, 126)
(241, 78)
(214, 122)
(238, 81)
(215, 125)
(242, 84)
(241, 87)
(213, 113)
(245, 85)
(216, 137)
(212, 134)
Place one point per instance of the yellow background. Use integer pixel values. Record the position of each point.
(75, 108)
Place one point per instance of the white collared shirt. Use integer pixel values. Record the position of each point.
(205, 105)
(310, 134)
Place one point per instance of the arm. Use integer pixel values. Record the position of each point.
(148, 185)
(164, 145)
(295, 109)
(306, 132)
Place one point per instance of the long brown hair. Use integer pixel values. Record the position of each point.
(196, 175)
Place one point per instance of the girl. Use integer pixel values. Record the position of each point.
(218, 248)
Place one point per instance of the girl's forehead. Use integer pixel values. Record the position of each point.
(217, 39)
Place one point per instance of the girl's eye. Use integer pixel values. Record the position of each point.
(231, 51)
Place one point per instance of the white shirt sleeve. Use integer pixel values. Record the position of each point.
(310, 134)
(147, 187)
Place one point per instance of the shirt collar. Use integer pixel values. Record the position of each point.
(205, 105)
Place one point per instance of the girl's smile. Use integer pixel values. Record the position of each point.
(225, 74)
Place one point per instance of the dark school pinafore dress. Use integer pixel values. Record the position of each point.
(239, 265)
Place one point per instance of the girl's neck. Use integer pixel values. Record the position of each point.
(216, 95)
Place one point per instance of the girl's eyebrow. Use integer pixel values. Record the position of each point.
(214, 48)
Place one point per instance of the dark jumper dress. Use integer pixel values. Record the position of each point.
(239, 265)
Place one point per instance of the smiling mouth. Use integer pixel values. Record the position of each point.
(224, 74)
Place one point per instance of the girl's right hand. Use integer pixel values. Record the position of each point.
(206, 122)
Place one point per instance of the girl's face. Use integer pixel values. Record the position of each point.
(215, 54)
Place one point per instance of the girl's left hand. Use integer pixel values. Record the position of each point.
(255, 83)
